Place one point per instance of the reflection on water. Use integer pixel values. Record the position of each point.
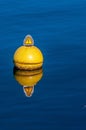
(28, 79)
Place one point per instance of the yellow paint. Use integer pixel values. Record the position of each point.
(28, 40)
(28, 57)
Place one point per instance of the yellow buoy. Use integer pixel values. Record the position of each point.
(28, 56)
(28, 79)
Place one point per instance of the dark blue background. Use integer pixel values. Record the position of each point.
(59, 30)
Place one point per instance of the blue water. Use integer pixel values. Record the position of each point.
(59, 98)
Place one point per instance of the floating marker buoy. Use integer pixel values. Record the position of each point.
(28, 56)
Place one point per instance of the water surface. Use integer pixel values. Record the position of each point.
(59, 98)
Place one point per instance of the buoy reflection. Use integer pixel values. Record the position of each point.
(28, 79)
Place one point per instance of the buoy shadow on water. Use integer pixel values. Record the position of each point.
(28, 79)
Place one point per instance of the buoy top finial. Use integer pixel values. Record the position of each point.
(28, 41)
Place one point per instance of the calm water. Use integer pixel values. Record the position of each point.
(58, 101)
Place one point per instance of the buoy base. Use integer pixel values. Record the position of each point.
(28, 66)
